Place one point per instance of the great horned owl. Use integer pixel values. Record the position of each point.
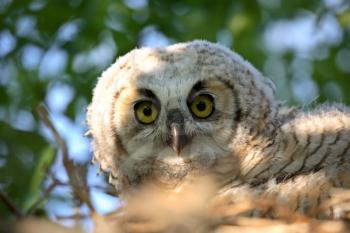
(197, 108)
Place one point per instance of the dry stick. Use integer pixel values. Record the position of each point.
(10, 205)
(56, 183)
(68, 164)
(74, 216)
(47, 192)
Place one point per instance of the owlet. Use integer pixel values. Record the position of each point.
(197, 108)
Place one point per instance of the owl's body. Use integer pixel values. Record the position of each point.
(194, 109)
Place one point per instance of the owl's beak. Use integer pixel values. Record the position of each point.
(178, 139)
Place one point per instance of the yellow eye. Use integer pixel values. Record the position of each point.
(146, 112)
(202, 106)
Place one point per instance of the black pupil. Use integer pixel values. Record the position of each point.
(201, 106)
(147, 111)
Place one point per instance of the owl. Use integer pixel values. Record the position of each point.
(199, 109)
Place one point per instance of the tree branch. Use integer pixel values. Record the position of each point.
(79, 186)
(10, 205)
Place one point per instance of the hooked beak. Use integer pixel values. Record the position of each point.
(178, 138)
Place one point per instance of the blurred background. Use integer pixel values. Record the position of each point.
(52, 51)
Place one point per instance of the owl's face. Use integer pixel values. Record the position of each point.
(166, 114)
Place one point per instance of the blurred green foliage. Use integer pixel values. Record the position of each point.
(47, 44)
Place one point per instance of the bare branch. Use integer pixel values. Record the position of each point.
(72, 217)
(10, 205)
(77, 182)
(47, 192)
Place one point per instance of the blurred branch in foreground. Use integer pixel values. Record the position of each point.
(194, 209)
(34, 225)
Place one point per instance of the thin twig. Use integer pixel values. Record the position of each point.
(47, 192)
(74, 216)
(10, 205)
(79, 187)
(108, 190)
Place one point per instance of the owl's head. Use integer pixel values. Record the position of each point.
(168, 113)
